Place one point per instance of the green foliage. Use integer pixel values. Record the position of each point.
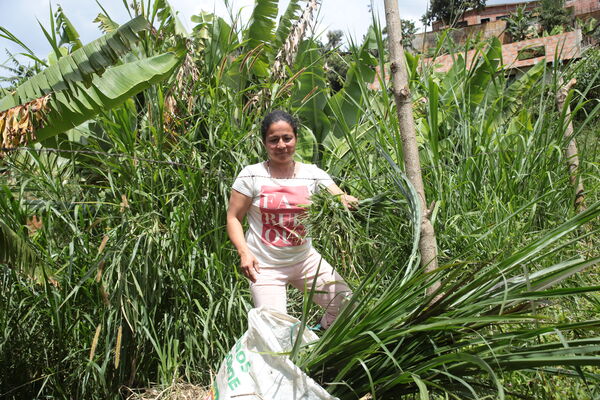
(80, 84)
(454, 333)
(531, 52)
(519, 24)
(18, 73)
(164, 276)
(337, 68)
(260, 33)
(588, 81)
(285, 23)
(409, 29)
(476, 126)
(145, 287)
(66, 30)
(169, 21)
(78, 67)
(336, 61)
(114, 87)
(590, 28)
(552, 14)
(450, 11)
(15, 251)
(105, 23)
(334, 39)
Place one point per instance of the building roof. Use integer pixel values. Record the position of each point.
(491, 3)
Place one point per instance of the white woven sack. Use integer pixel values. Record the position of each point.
(256, 368)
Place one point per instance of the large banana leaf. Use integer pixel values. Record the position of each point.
(285, 24)
(117, 84)
(78, 67)
(487, 69)
(262, 23)
(317, 110)
(169, 19)
(217, 39)
(348, 103)
(471, 82)
(308, 97)
(507, 101)
(260, 32)
(68, 33)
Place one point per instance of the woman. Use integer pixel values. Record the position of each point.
(275, 251)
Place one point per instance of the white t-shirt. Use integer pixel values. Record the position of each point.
(275, 236)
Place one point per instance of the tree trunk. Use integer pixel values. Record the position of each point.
(427, 243)
(571, 152)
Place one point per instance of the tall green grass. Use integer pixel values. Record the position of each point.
(135, 282)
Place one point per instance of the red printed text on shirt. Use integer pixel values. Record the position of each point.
(280, 208)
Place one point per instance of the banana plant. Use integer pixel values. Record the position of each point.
(68, 33)
(260, 34)
(330, 118)
(82, 84)
(261, 41)
(479, 90)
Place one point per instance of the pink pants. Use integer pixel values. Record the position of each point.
(330, 289)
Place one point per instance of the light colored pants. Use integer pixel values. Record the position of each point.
(330, 289)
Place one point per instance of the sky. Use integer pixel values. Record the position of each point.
(21, 17)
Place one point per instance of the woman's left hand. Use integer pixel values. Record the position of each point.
(346, 199)
(349, 201)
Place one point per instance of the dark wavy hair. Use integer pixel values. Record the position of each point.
(276, 116)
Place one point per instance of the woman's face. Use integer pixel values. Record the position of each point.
(280, 142)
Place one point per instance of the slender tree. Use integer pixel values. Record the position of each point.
(571, 152)
(334, 39)
(401, 89)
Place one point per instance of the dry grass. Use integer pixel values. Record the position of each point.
(178, 391)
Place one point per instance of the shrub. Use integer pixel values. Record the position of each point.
(588, 80)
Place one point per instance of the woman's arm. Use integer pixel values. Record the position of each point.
(238, 207)
(348, 200)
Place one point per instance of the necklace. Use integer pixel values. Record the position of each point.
(285, 177)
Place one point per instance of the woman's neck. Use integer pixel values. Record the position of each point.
(281, 170)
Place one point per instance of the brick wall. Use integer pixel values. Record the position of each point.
(581, 7)
(567, 45)
(492, 13)
(488, 30)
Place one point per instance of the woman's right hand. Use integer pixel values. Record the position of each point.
(249, 266)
